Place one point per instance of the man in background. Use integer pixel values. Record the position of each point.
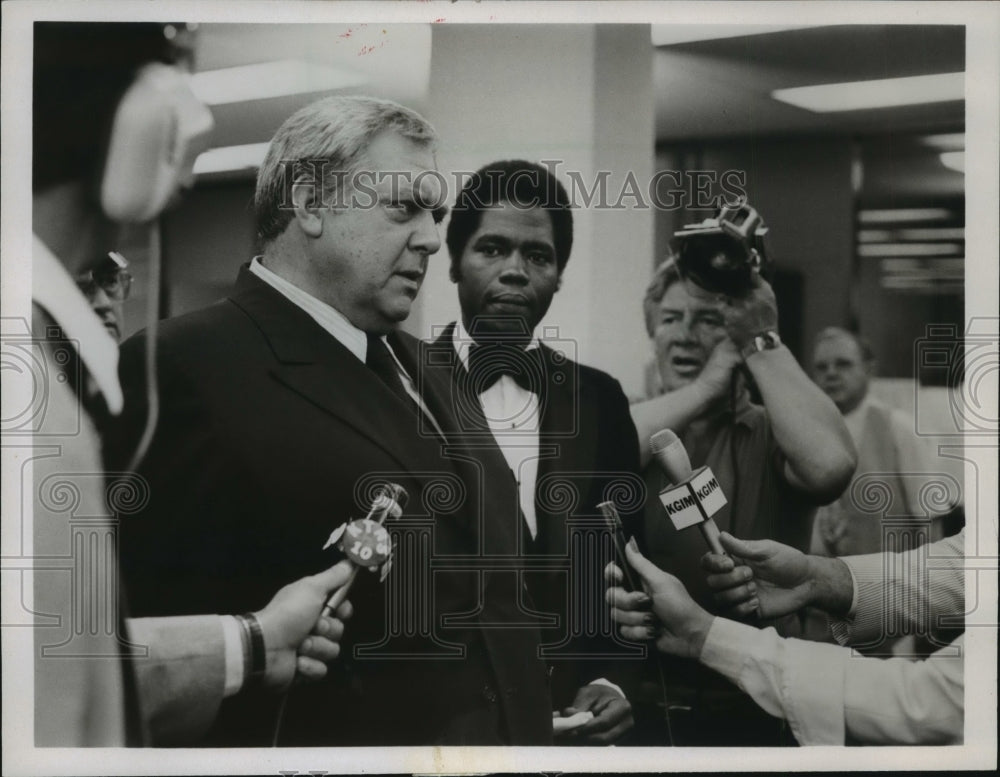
(106, 287)
(562, 426)
(889, 451)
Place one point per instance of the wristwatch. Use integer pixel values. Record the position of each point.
(766, 341)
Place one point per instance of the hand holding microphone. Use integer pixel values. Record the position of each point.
(365, 543)
(694, 497)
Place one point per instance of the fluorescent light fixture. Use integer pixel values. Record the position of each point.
(923, 285)
(954, 160)
(881, 93)
(269, 79)
(893, 235)
(669, 34)
(952, 267)
(952, 141)
(230, 158)
(909, 249)
(898, 215)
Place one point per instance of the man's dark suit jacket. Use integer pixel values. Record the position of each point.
(270, 435)
(588, 453)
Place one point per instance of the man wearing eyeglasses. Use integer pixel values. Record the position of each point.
(106, 287)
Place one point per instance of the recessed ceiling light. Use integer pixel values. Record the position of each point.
(230, 158)
(881, 93)
(952, 141)
(269, 79)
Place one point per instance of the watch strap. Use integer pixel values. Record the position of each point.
(765, 341)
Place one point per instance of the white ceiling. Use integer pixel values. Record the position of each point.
(710, 82)
(721, 87)
(391, 61)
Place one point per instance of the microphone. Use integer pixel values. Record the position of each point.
(614, 523)
(366, 542)
(693, 497)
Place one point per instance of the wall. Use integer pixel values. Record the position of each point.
(579, 94)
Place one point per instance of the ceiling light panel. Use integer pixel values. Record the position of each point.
(880, 93)
(269, 79)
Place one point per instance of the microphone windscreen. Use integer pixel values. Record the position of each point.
(662, 439)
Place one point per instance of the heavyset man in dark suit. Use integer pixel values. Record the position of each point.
(564, 428)
(287, 404)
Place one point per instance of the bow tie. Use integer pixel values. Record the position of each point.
(488, 362)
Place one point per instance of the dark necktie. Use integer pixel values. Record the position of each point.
(487, 362)
(380, 361)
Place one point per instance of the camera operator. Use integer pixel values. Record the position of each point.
(775, 463)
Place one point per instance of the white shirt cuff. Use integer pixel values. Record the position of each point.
(233, 645)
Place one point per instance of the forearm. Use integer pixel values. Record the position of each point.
(673, 410)
(181, 680)
(807, 425)
(831, 587)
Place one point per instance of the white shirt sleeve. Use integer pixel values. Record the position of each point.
(802, 682)
(827, 691)
(233, 644)
(903, 702)
(911, 592)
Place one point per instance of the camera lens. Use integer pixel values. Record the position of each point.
(717, 262)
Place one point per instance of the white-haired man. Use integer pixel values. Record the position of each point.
(284, 403)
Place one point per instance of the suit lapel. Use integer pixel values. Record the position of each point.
(567, 447)
(476, 454)
(315, 365)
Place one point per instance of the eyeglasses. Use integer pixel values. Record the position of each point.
(116, 283)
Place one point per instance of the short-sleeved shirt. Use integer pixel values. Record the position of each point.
(741, 450)
(739, 446)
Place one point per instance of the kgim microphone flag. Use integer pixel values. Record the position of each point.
(693, 497)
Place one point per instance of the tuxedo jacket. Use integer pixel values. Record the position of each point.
(588, 453)
(270, 435)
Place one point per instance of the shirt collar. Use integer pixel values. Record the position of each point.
(54, 289)
(462, 342)
(331, 319)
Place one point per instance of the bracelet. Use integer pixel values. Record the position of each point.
(254, 652)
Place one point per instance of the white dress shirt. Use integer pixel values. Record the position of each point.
(336, 323)
(514, 417)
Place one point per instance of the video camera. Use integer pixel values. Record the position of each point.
(720, 253)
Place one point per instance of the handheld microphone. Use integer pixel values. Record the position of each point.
(366, 542)
(614, 523)
(693, 497)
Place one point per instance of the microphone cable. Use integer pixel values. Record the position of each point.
(152, 324)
